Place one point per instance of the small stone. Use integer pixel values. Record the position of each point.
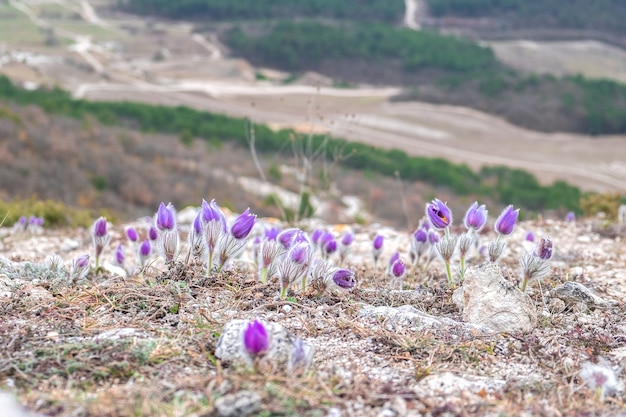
(573, 293)
(287, 308)
(239, 404)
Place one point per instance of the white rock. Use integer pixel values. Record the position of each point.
(490, 300)
(115, 334)
(409, 316)
(575, 293)
(10, 407)
(230, 348)
(239, 404)
(447, 384)
(69, 245)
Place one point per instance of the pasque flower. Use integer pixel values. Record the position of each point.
(475, 217)
(544, 248)
(243, 225)
(535, 265)
(231, 244)
(398, 269)
(377, 248)
(600, 377)
(504, 226)
(79, 268)
(196, 237)
(168, 240)
(507, 220)
(143, 252)
(269, 251)
(256, 340)
(213, 227)
(131, 234)
(119, 255)
(344, 248)
(295, 265)
(344, 278)
(439, 214)
(100, 237)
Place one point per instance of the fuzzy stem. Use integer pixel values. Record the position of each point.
(524, 283)
(304, 283)
(450, 281)
(462, 270)
(283, 292)
(263, 275)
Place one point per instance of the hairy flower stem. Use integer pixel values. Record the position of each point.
(449, 273)
(283, 292)
(304, 280)
(263, 275)
(525, 282)
(462, 269)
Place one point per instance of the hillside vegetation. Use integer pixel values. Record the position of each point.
(504, 185)
(441, 69)
(215, 10)
(598, 15)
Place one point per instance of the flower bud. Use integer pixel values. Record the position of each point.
(507, 221)
(255, 339)
(475, 217)
(243, 225)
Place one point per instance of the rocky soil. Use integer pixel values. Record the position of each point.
(157, 343)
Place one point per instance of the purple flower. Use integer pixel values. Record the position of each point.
(378, 242)
(22, 220)
(475, 217)
(100, 237)
(433, 237)
(255, 338)
(347, 239)
(344, 278)
(166, 217)
(271, 233)
(330, 247)
(544, 248)
(300, 253)
(421, 235)
(530, 237)
(288, 236)
(145, 248)
(439, 214)
(119, 255)
(100, 227)
(570, 217)
(398, 268)
(82, 261)
(197, 224)
(153, 233)
(507, 221)
(79, 268)
(243, 225)
(394, 258)
(317, 235)
(131, 234)
(211, 212)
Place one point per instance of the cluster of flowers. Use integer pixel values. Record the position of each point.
(427, 243)
(33, 224)
(287, 256)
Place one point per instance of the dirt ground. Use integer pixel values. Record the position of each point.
(146, 344)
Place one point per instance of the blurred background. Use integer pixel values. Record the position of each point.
(352, 111)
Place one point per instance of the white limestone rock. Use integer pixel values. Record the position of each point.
(281, 348)
(490, 300)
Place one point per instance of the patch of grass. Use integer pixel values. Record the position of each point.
(17, 29)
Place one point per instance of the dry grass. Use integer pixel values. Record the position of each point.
(63, 360)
